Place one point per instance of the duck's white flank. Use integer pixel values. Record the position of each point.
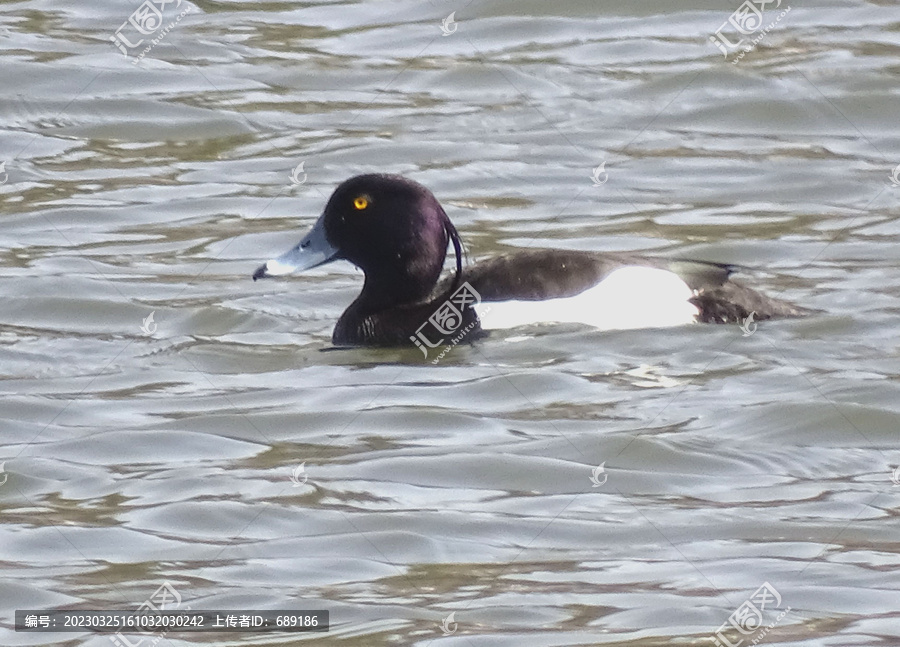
(629, 297)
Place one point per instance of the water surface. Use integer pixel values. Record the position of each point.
(157, 186)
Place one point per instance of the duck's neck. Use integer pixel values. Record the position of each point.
(391, 291)
(400, 325)
(385, 308)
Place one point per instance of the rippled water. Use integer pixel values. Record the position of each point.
(473, 486)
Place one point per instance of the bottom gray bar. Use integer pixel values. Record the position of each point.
(156, 622)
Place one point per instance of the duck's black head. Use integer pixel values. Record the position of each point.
(391, 227)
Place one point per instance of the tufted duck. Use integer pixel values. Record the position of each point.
(395, 230)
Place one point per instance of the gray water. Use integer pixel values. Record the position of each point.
(225, 452)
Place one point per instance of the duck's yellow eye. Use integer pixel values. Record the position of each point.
(361, 202)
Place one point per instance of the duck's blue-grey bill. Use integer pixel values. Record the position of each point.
(312, 251)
